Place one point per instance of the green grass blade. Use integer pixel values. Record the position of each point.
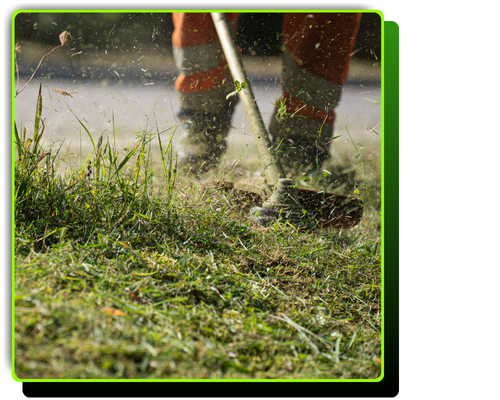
(84, 127)
(38, 110)
(36, 139)
(19, 143)
(26, 178)
(125, 160)
(27, 145)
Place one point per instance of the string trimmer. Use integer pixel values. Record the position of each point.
(275, 196)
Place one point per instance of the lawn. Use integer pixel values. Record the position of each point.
(126, 268)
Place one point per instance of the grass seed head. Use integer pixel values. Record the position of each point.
(62, 91)
(65, 38)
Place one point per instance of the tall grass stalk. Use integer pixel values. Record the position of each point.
(29, 150)
(170, 165)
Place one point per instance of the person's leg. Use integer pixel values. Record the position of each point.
(316, 57)
(203, 83)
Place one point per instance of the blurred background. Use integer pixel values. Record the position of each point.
(120, 73)
(258, 33)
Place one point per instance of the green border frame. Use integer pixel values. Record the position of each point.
(391, 343)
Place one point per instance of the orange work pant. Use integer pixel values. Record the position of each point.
(316, 57)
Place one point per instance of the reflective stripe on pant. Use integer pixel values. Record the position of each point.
(316, 58)
(204, 79)
(316, 61)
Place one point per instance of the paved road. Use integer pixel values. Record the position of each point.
(137, 106)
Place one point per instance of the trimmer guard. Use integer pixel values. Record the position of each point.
(329, 209)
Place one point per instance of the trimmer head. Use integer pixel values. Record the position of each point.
(283, 204)
(318, 208)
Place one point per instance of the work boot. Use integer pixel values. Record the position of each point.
(301, 144)
(205, 138)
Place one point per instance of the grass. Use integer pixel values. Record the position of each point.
(126, 269)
